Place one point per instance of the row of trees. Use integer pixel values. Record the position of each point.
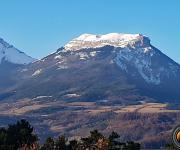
(20, 136)
(96, 141)
(17, 136)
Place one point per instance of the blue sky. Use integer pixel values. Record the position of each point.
(39, 27)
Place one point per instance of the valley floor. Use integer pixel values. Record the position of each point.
(26, 106)
(148, 123)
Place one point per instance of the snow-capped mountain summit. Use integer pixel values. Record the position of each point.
(130, 51)
(112, 39)
(9, 53)
(114, 67)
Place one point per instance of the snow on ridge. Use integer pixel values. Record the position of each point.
(141, 62)
(37, 72)
(13, 55)
(108, 37)
(95, 41)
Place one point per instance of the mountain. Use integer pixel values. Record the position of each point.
(109, 82)
(10, 60)
(9, 53)
(116, 68)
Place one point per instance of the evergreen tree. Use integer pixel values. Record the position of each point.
(114, 143)
(73, 145)
(20, 136)
(60, 143)
(17, 135)
(49, 144)
(132, 146)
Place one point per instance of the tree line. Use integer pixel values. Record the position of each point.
(21, 136)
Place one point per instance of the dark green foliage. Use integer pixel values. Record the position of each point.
(20, 136)
(91, 140)
(73, 145)
(96, 141)
(49, 144)
(114, 143)
(17, 135)
(170, 147)
(60, 143)
(131, 146)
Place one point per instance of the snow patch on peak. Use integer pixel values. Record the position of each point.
(108, 37)
(113, 39)
(11, 54)
(37, 72)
